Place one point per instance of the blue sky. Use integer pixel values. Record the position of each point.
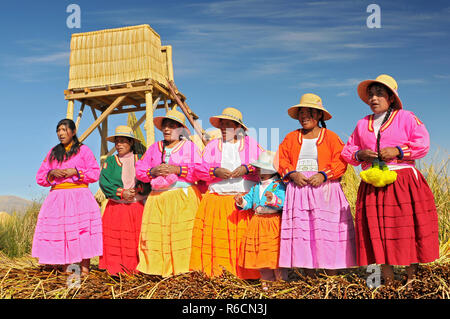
(257, 55)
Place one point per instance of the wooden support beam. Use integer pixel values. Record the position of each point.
(198, 129)
(149, 126)
(70, 105)
(95, 118)
(102, 117)
(80, 114)
(93, 94)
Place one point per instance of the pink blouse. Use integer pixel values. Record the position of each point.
(249, 151)
(185, 155)
(402, 129)
(88, 170)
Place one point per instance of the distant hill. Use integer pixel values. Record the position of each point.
(12, 204)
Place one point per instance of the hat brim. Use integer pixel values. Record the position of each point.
(159, 119)
(215, 120)
(113, 137)
(293, 111)
(364, 96)
(265, 166)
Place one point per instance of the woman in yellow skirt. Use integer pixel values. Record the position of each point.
(219, 224)
(169, 213)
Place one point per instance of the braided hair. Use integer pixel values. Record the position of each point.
(388, 113)
(58, 152)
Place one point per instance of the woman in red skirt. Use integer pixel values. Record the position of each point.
(396, 224)
(123, 214)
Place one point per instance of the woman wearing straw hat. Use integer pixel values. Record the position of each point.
(219, 225)
(260, 248)
(396, 224)
(123, 213)
(169, 213)
(69, 225)
(317, 228)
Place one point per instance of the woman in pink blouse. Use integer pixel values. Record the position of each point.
(69, 226)
(396, 224)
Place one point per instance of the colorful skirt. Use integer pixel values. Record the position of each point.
(69, 228)
(166, 232)
(260, 247)
(317, 229)
(218, 231)
(397, 224)
(121, 230)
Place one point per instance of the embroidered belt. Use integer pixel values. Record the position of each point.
(68, 186)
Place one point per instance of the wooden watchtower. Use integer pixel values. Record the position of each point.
(123, 70)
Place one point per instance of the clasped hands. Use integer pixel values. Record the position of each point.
(301, 180)
(387, 154)
(164, 170)
(225, 173)
(62, 173)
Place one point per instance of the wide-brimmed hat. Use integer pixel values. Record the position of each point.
(173, 115)
(385, 79)
(265, 161)
(229, 113)
(122, 130)
(309, 100)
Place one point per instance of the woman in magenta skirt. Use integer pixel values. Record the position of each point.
(69, 226)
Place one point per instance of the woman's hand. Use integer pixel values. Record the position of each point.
(70, 172)
(316, 179)
(239, 199)
(239, 171)
(57, 173)
(367, 155)
(222, 173)
(162, 170)
(299, 179)
(129, 194)
(389, 153)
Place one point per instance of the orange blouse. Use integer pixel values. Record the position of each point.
(329, 147)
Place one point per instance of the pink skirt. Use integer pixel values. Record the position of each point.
(317, 229)
(69, 228)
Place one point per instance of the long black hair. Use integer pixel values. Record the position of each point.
(58, 152)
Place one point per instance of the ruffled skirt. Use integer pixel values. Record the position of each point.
(217, 236)
(166, 232)
(69, 228)
(397, 224)
(260, 246)
(121, 230)
(317, 229)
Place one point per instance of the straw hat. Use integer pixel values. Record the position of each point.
(122, 130)
(309, 100)
(174, 115)
(385, 79)
(265, 161)
(229, 113)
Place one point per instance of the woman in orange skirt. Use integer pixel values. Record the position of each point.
(219, 226)
(260, 248)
